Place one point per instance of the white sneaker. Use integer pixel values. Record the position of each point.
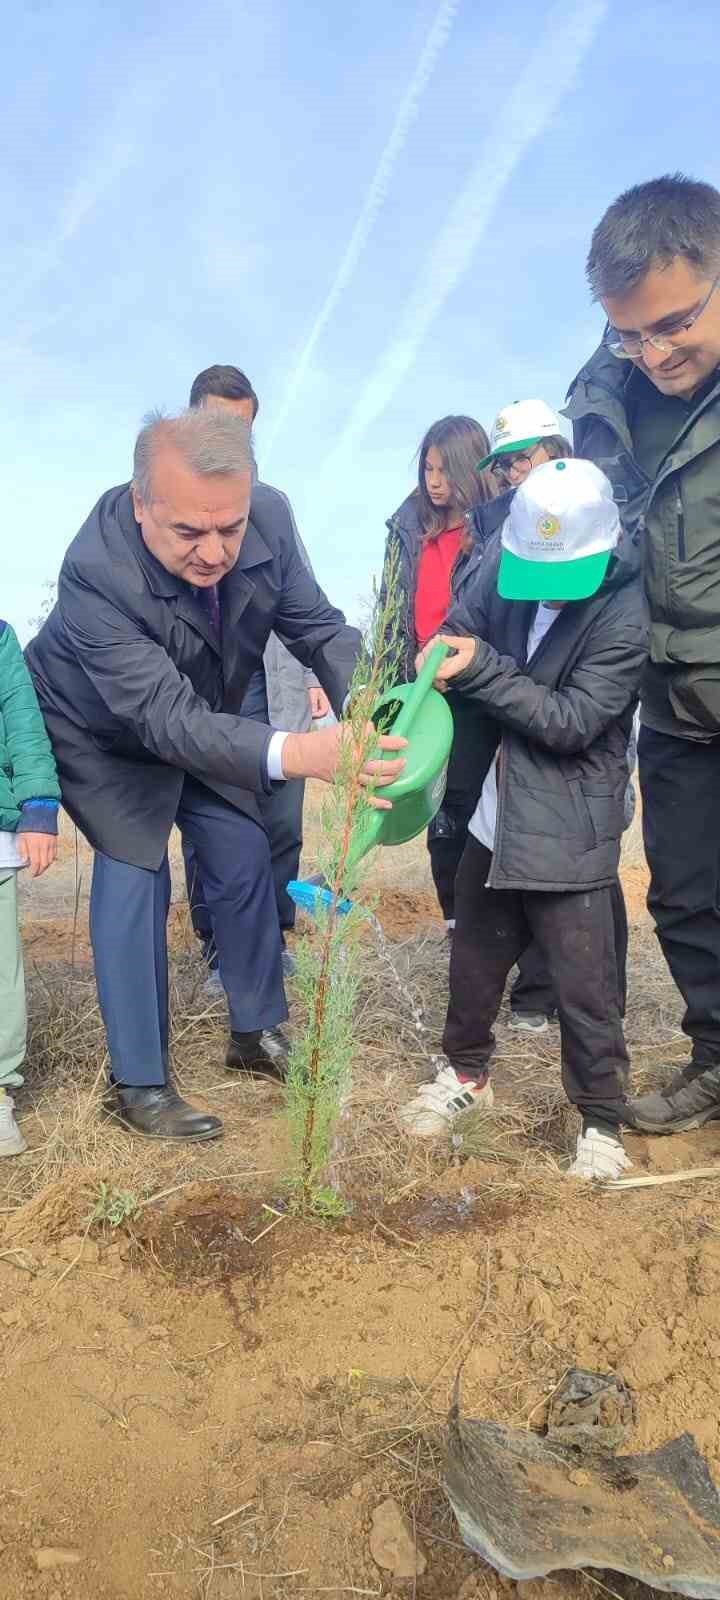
(11, 1139)
(437, 1104)
(528, 1022)
(599, 1155)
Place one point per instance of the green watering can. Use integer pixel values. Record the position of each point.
(418, 713)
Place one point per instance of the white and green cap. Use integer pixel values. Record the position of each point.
(560, 533)
(519, 427)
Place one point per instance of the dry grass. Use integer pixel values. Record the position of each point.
(528, 1130)
(399, 1023)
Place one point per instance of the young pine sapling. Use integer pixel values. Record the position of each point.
(326, 985)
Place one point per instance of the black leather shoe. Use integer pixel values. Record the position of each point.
(262, 1055)
(157, 1112)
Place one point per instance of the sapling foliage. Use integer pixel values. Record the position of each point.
(320, 1067)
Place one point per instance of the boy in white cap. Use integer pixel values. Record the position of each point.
(550, 641)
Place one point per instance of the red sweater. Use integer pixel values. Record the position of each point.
(432, 595)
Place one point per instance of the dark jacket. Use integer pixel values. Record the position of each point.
(678, 517)
(404, 540)
(27, 768)
(562, 722)
(135, 690)
(405, 534)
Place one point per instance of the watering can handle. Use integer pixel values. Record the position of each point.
(420, 689)
(428, 672)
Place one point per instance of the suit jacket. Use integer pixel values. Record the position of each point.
(136, 691)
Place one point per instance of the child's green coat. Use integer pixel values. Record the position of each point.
(27, 765)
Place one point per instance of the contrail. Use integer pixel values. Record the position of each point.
(546, 78)
(372, 204)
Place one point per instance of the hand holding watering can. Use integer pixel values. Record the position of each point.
(316, 755)
(423, 726)
(463, 648)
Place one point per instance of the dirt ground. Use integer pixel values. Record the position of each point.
(205, 1398)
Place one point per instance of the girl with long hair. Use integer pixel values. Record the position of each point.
(432, 534)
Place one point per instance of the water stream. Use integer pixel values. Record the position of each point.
(412, 1006)
(407, 994)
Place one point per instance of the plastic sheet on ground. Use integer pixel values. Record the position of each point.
(531, 1506)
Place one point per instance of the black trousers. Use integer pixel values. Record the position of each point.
(532, 992)
(680, 786)
(574, 935)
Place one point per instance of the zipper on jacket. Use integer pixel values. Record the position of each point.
(680, 523)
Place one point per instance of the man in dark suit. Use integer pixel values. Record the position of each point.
(166, 599)
(283, 693)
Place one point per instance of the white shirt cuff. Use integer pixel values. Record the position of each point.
(274, 758)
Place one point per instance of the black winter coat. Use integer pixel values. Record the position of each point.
(405, 537)
(563, 723)
(136, 692)
(405, 534)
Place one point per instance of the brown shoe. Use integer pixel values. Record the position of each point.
(157, 1112)
(262, 1055)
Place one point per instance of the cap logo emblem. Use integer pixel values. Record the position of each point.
(548, 527)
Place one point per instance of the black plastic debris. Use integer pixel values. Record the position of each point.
(531, 1506)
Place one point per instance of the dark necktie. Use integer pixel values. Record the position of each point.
(211, 601)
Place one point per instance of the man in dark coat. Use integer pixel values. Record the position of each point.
(283, 693)
(166, 599)
(646, 409)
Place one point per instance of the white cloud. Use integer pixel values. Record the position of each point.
(371, 206)
(548, 75)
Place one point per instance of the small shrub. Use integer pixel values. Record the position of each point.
(113, 1206)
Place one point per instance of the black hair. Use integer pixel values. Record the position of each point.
(652, 224)
(228, 383)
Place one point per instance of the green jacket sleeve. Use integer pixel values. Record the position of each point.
(33, 774)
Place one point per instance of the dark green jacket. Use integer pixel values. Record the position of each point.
(27, 766)
(678, 517)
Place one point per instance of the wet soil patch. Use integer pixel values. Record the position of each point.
(215, 1236)
(209, 1248)
(223, 1237)
(426, 1215)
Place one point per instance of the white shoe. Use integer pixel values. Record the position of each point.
(599, 1155)
(436, 1104)
(528, 1022)
(11, 1139)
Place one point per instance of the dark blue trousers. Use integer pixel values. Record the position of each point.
(128, 927)
(282, 816)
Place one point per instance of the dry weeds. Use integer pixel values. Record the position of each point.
(75, 1146)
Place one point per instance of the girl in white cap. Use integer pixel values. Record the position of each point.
(550, 643)
(524, 435)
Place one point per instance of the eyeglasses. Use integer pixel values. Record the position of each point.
(523, 463)
(628, 346)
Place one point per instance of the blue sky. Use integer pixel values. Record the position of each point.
(381, 211)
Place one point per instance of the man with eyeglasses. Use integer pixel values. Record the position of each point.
(646, 409)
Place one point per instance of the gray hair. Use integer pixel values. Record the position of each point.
(213, 442)
(651, 225)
